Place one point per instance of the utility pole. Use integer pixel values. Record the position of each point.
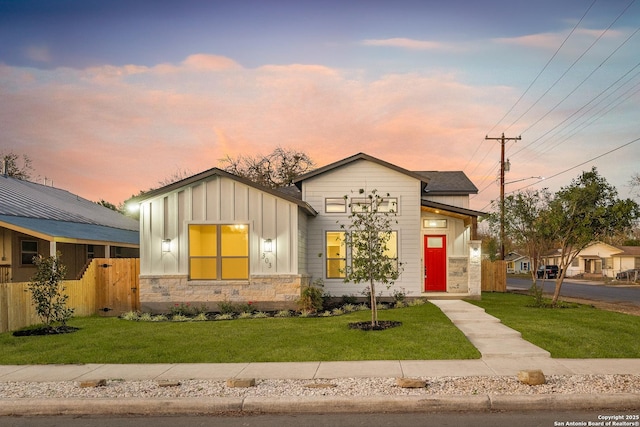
(503, 141)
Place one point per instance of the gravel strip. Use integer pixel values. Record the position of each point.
(361, 387)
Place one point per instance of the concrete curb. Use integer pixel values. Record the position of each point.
(296, 404)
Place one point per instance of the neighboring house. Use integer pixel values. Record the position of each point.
(37, 219)
(600, 260)
(517, 264)
(217, 237)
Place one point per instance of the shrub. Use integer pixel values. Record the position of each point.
(348, 308)
(283, 313)
(226, 307)
(146, 317)
(200, 317)
(349, 299)
(130, 315)
(225, 316)
(311, 297)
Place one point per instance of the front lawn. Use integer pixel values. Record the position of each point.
(578, 332)
(425, 334)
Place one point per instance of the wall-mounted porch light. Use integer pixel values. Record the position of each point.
(267, 249)
(166, 245)
(268, 245)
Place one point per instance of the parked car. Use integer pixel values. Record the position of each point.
(547, 272)
(633, 274)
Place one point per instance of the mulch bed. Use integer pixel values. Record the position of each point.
(45, 331)
(381, 326)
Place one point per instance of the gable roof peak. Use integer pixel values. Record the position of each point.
(354, 158)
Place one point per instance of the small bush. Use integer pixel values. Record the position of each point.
(245, 315)
(260, 315)
(311, 297)
(130, 315)
(146, 317)
(337, 312)
(225, 316)
(349, 299)
(200, 317)
(283, 313)
(180, 318)
(348, 308)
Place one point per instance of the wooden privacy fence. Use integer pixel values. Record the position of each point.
(494, 276)
(109, 287)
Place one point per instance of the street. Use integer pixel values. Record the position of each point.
(616, 294)
(476, 419)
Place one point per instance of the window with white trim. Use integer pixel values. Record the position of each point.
(336, 254)
(218, 251)
(335, 205)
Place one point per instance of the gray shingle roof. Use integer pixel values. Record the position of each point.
(448, 182)
(59, 213)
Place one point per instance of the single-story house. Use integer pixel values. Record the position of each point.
(37, 219)
(599, 260)
(517, 264)
(217, 237)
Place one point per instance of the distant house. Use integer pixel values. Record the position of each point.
(37, 219)
(600, 260)
(218, 237)
(517, 264)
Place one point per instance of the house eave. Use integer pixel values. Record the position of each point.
(306, 208)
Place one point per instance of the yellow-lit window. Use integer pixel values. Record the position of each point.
(336, 254)
(218, 252)
(390, 249)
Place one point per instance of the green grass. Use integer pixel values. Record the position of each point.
(578, 332)
(425, 334)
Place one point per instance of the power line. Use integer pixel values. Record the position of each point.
(570, 67)
(545, 67)
(585, 162)
(530, 86)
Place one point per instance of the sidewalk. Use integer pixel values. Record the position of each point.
(503, 350)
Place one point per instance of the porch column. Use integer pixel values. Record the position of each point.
(52, 248)
(107, 251)
(475, 269)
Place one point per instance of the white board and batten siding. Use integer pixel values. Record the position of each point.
(347, 180)
(218, 200)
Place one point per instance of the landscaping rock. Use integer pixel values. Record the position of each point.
(241, 382)
(321, 385)
(93, 383)
(532, 377)
(167, 383)
(411, 383)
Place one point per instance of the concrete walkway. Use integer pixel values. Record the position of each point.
(503, 350)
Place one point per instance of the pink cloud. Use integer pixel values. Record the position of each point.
(405, 43)
(108, 132)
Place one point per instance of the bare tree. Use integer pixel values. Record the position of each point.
(178, 175)
(11, 167)
(274, 170)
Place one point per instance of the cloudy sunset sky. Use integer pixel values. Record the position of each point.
(110, 97)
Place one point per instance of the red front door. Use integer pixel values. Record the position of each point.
(435, 263)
